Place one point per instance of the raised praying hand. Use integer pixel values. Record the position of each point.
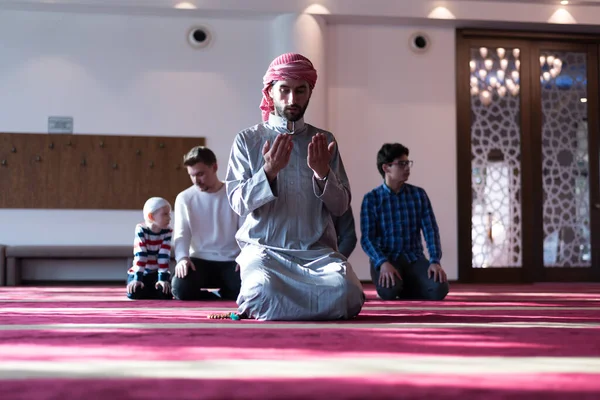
(319, 155)
(277, 156)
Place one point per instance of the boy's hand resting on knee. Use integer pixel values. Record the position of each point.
(388, 275)
(164, 286)
(439, 275)
(183, 266)
(133, 285)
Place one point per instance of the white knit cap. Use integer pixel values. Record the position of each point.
(154, 204)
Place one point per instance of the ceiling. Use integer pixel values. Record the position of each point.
(351, 11)
(595, 3)
(247, 4)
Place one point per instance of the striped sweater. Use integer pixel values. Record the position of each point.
(152, 252)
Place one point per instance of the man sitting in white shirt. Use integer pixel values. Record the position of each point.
(204, 233)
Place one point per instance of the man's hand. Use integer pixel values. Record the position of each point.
(277, 156)
(165, 286)
(438, 273)
(183, 266)
(319, 155)
(237, 267)
(133, 285)
(388, 275)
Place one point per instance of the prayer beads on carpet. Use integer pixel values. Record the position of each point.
(233, 316)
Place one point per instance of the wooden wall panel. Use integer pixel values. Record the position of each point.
(24, 166)
(90, 171)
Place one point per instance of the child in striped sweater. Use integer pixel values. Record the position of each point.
(149, 276)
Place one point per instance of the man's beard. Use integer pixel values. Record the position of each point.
(292, 116)
(203, 187)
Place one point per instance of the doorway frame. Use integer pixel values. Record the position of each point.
(532, 269)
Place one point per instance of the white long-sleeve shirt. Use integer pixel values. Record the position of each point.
(205, 226)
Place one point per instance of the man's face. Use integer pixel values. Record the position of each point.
(398, 170)
(290, 99)
(204, 176)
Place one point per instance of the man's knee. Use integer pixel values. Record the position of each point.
(390, 293)
(356, 299)
(229, 293)
(442, 291)
(256, 296)
(438, 291)
(183, 289)
(230, 287)
(257, 285)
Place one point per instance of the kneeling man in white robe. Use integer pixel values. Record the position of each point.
(287, 179)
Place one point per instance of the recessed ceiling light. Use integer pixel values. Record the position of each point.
(184, 5)
(583, 100)
(564, 2)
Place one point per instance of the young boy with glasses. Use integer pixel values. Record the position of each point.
(392, 217)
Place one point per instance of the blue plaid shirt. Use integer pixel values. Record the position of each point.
(391, 225)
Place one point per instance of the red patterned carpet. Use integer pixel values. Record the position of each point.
(492, 342)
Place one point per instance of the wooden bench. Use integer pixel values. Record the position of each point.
(15, 254)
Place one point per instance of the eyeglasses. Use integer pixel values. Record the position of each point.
(403, 164)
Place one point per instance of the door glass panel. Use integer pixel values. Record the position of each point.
(495, 157)
(565, 162)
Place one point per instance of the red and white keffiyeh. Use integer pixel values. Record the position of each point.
(285, 67)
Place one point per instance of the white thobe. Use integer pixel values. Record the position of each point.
(290, 266)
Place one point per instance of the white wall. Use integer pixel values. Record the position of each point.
(123, 75)
(382, 92)
(132, 75)
(137, 75)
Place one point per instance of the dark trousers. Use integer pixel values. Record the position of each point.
(148, 292)
(415, 284)
(208, 274)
